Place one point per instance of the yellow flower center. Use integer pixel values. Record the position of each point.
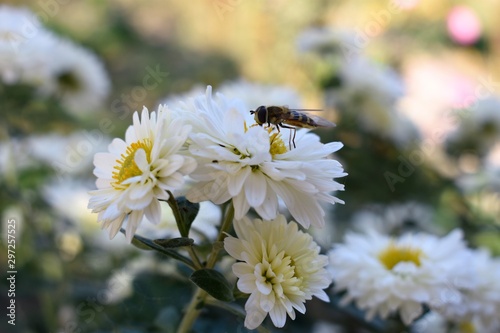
(395, 254)
(277, 146)
(466, 327)
(126, 167)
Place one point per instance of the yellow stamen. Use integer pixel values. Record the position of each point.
(277, 145)
(394, 254)
(126, 167)
(466, 327)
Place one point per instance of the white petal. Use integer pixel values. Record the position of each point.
(255, 189)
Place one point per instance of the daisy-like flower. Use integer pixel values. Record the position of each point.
(280, 267)
(385, 275)
(139, 171)
(76, 75)
(253, 165)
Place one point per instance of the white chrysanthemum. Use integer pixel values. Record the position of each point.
(139, 171)
(280, 268)
(480, 304)
(384, 275)
(76, 75)
(254, 166)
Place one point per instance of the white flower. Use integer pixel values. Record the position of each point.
(280, 268)
(139, 171)
(254, 166)
(480, 304)
(76, 75)
(21, 33)
(385, 275)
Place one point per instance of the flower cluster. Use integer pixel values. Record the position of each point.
(33, 56)
(229, 158)
(386, 275)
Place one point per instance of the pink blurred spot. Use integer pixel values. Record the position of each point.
(463, 25)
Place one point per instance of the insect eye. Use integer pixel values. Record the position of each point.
(261, 114)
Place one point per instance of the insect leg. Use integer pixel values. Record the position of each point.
(292, 138)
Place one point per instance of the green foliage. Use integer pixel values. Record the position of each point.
(214, 283)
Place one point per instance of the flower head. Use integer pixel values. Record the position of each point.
(480, 304)
(254, 166)
(280, 267)
(139, 171)
(385, 275)
(77, 76)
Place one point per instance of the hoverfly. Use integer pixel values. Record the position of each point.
(284, 117)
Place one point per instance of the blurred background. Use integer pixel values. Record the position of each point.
(412, 85)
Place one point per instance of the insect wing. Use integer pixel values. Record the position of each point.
(303, 118)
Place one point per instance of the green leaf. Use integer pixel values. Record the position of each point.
(214, 283)
(145, 243)
(184, 211)
(174, 242)
(141, 245)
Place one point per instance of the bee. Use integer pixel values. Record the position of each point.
(284, 117)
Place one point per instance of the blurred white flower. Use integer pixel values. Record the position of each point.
(67, 154)
(250, 94)
(479, 128)
(367, 93)
(396, 218)
(255, 94)
(75, 75)
(253, 166)
(327, 41)
(280, 267)
(480, 304)
(385, 275)
(139, 171)
(54, 66)
(120, 284)
(19, 28)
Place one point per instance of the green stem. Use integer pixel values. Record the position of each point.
(200, 295)
(192, 311)
(196, 261)
(226, 224)
(181, 225)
